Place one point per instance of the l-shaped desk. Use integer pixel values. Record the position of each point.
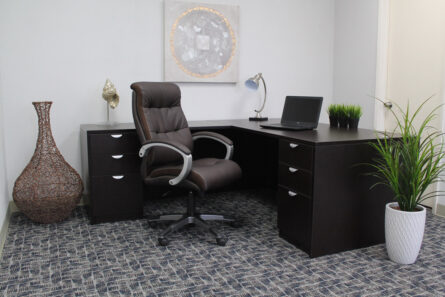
(324, 200)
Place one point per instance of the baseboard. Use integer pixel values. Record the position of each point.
(12, 207)
(5, 226)
(440, 210)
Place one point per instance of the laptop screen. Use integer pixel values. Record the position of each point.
(300, 109)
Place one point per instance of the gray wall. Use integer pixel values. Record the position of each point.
(64, 50)
(355, 51)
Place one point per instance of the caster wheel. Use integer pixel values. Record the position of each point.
(236, 224)
(163, 241)
(221, 241)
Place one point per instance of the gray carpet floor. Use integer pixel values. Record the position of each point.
(74, 258)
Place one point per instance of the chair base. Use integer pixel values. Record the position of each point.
(190, 218)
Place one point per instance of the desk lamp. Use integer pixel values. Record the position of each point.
(254, 83)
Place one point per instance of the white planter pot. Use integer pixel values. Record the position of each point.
(404, 233)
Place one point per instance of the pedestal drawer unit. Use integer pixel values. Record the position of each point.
(111, 169)
(294, 194)
(294, 217)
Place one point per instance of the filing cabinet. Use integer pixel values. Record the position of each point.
(294, 217)
(295, 178)
(294, 194)
(325, 204)
(111, 171)
(296, 154)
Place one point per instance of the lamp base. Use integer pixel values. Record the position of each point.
(259, 119)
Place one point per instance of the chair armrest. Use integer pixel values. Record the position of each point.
(175, 146)
(217, 137)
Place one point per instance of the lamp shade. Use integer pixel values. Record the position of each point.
(253, 82)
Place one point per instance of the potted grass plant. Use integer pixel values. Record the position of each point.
(408, 162)
(354, 114)
(333, 115)
(343, 116)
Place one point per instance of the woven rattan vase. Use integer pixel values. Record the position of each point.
(48, 189)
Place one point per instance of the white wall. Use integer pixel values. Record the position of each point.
(355, 51)
(63, 51)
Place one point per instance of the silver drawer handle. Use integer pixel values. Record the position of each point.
(293, 145)
(117, 156)
(292, 194)
(292, 169)
(118, 176)
(116, 135)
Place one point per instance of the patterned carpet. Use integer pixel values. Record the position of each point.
(75, 258)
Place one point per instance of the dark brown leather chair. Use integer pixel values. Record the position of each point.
(167, 147)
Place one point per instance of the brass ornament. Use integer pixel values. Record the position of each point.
(110, 94)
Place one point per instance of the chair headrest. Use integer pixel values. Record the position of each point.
(157, 94)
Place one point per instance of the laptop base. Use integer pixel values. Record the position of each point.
(280, 126)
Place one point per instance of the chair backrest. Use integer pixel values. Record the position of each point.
(158, 115)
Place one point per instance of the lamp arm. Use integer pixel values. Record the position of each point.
(265, 95)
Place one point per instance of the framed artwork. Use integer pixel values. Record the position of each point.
(200, 42)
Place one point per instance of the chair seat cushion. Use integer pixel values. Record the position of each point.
(207, 173)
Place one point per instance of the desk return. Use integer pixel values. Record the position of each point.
(323, 197)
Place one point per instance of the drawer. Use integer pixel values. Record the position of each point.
(113, 143)
(295, 154)
(105, 164)
(114, 197)
(294, 218)
(295, 179)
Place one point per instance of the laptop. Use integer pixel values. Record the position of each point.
(299, 113)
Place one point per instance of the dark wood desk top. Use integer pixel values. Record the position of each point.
(101, 127)
(323, 135)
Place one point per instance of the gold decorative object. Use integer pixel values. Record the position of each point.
(110, 95)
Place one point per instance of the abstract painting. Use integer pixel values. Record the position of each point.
(201, 42)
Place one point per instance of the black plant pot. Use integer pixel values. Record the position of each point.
(333, 121)
(353, 123)
(343, 122)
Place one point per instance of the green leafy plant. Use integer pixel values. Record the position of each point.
(354, 111)
(409, 158)
(333, 110)
(345, 111)
(342, 111)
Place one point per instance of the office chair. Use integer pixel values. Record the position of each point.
(167, 147)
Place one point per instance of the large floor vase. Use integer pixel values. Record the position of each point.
(48, 189)
(404, 233)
